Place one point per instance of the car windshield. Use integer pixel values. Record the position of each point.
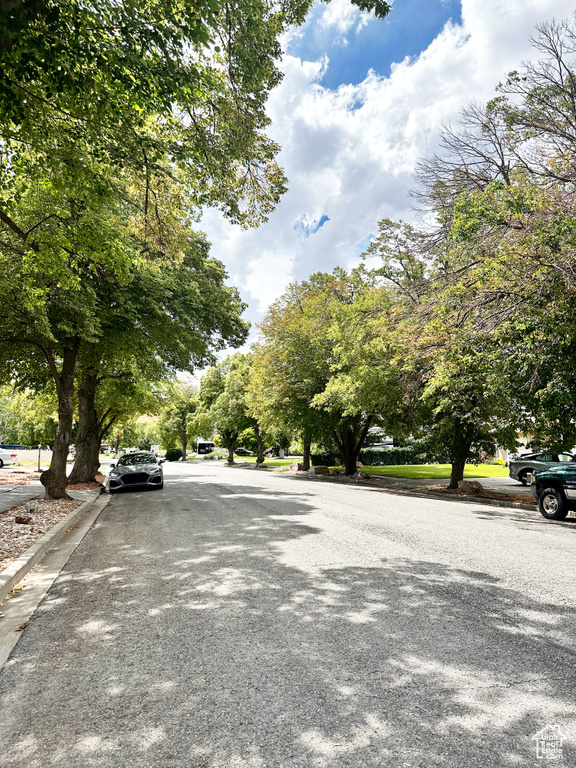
(137, 458)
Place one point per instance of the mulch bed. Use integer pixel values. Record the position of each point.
(16, 538)
(88, 486)
(8, 477)
(25, 478)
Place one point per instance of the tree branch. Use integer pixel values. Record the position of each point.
(15, 228)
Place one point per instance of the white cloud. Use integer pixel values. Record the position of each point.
(350, 153)
(341, 15)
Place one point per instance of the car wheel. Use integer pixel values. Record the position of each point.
(552, 504)
(525, 476)
(1, 463)
(160, 486)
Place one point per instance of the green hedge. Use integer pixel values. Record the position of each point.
(384, 458)
(173, 454)
(325, 459)
(377, 458)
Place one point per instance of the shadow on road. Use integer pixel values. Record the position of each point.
(235, 642)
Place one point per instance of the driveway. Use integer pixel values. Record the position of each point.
(242, 620)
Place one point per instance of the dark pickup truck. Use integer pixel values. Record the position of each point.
(555, 490)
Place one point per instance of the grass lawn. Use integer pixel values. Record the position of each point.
(437, 471)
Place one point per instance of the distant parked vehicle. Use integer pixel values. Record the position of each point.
(525, 466)
(7, 457)
(243, 452)
(12, 447)
(205, 446)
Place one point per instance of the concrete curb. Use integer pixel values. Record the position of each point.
(20, 567)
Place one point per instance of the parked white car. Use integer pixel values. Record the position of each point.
(7, 457)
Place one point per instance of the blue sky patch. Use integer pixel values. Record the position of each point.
(408, 30)
(307, 227)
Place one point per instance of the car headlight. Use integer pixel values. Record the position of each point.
(155, 471)
(114, 474)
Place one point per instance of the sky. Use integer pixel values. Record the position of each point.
(361, 101)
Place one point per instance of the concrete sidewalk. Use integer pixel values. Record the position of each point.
(11, 495)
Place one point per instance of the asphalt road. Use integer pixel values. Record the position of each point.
(238, 619)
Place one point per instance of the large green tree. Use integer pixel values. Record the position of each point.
(178, 87)
(168, 317)
(326, 365)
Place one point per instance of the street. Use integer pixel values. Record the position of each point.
(238, 619)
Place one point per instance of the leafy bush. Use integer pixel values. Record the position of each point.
(385, 457)
(326, 459)
(173, 454)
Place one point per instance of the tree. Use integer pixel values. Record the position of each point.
(179, 400)
(27, 417)
(456, 383)
(104, 403)
(144, 86)
(325, 365)
(222, 400)
(166, 313)
(471, 407)
(284, 377)
(501, 279)
(118, 121)
(169, 317)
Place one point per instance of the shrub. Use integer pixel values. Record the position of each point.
(384, 457)
(326, 459)
(173, 454)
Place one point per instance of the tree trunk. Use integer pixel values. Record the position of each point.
(306, 453)
(350, 444)
(459, 452)
(231, 453)
(184, 441)
(54, 479)
(349, 454)
(259, 445)
(457, 473)
(87, 459)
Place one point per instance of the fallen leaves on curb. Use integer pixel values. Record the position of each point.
(22, 626)
(15, 538)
